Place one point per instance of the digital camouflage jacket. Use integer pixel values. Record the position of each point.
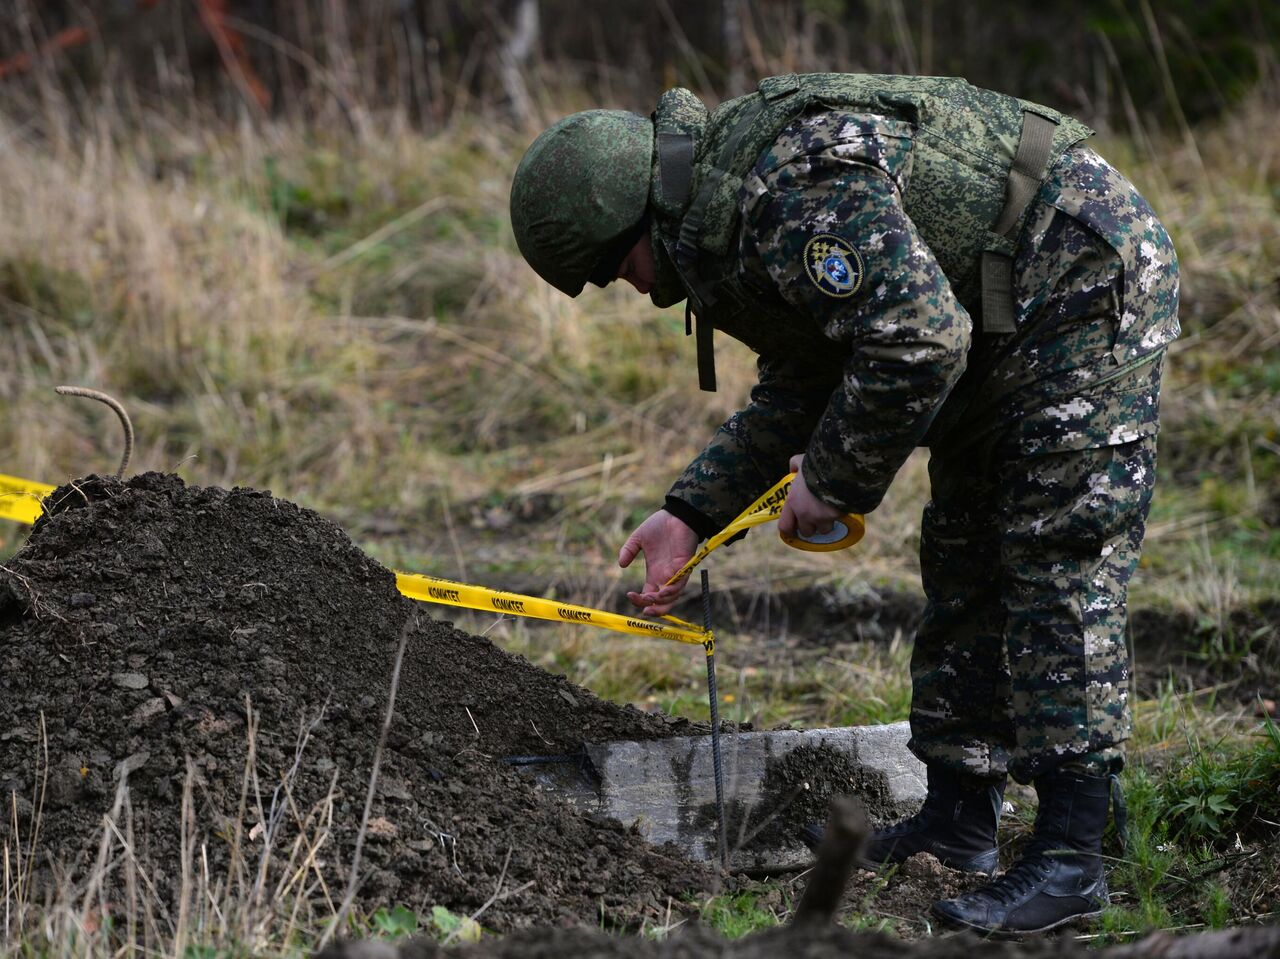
(847, 260)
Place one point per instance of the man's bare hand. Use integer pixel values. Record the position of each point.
(804, 514)
(667, 544)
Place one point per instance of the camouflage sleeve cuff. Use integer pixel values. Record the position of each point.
(843, 499)
(692, 517)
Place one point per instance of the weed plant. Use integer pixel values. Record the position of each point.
(1221, 793)
(1210, 816)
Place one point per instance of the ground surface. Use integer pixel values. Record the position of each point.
(821, 942)
(151, 631)
(147, 626)
(229, 655)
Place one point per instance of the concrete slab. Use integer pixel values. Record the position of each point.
(774, 783)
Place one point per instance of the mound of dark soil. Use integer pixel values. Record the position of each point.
(797, 790)
(151, 633)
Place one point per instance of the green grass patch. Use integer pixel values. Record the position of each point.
(735, 915)
(1188, 825)
(1224, 790)
(1142, 873)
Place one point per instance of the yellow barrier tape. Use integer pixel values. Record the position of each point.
(449, 593)
(20, 502)
(20, 499)
(847, 531)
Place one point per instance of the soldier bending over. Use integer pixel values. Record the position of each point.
(916, 262)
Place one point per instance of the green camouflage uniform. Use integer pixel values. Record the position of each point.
(1042, 442)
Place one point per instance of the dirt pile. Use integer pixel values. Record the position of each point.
(150, 632)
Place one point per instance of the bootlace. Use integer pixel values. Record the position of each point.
(1018, 881)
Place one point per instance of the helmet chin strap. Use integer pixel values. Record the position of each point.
(668, 289)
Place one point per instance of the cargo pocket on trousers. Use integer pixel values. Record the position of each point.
(1121, 410)
(1077, 500)
(1074, 526)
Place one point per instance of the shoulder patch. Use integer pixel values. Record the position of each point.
(833, 265)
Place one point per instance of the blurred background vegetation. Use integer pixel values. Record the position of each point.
(1114, 62)
(277, 230)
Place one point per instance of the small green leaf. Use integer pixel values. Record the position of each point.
(394, 923)
(461, 928)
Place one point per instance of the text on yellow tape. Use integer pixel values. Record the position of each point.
(449, 593)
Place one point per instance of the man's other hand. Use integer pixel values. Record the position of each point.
(667, 544)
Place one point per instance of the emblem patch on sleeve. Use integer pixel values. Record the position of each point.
(833, 265)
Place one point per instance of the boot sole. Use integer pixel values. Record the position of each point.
(1011, 933)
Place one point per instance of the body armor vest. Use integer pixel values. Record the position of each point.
(978, 158)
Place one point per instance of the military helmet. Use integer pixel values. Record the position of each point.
(579, 196)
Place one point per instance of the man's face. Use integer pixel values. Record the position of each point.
(637, 267)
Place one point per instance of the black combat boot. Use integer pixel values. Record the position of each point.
(957, 824)
(1059, 877)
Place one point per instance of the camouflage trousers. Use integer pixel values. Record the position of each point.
(1034, 529)
(1021, 662)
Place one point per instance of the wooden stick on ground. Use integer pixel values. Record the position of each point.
(1243, 942)
(842, 843)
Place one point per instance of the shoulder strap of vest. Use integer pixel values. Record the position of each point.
(1030, 164)
(675, 156)
(675, 184)
(771, 91)
(691, 225)
(675, 168)
(687, 249)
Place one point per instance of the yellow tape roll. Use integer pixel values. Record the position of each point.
(845, 531)
(767, 509)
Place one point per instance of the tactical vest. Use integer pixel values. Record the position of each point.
(978, 159)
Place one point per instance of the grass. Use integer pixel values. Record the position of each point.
(739, 914)
(231, 908)
(762, 677)
(349, 324)
(1221, 792)
(1201, 839)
